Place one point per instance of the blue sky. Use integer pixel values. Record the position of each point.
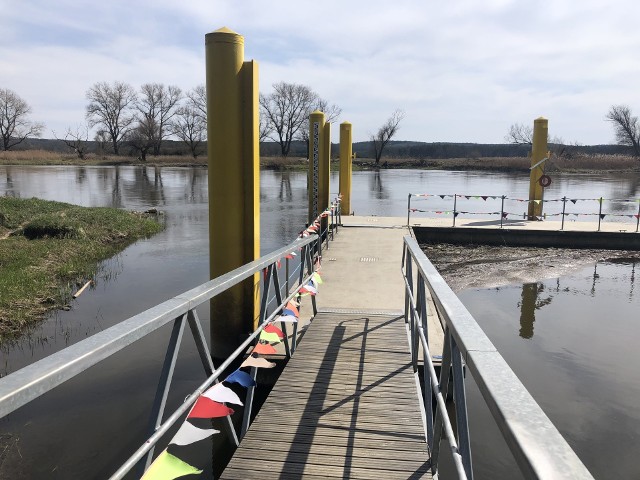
(462, 70)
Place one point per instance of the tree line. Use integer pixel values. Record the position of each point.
(141, 120)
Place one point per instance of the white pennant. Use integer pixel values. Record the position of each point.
(188, 434)
(222, 394)
(286, 319)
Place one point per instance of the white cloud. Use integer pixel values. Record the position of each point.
(462, 71)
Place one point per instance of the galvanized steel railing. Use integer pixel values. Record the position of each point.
(539, 449)
(28, 383)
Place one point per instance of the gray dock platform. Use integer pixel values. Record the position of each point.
(346, 406)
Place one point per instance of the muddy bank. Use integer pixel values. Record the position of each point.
(481, 266)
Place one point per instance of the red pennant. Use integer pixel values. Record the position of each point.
(273, 329)
(289, 256)
(637, 215)
(279, 264)
(207, 408)
(264, 348)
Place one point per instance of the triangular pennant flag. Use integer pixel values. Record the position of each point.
(293, 307)
(270, 337)
(484, 197)
(188, 434)
(573, 200)
(288, 311)
(476, 197)
(273, 329)
(602, 215)
(537, 202)
(637, 215)
(455, 214)
(207, 408)
(168, 467)
(222, 394)
(243, 378)
(257, 362)
(317, 278)
(442, 196)
(504, 214)
(264, 348)
(308, 289)
(467, 197)
(279, 264)
(287, 319)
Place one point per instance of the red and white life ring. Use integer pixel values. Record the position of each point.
(544, 181)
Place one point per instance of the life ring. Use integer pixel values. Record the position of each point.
(544, 181)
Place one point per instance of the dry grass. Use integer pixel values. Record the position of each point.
(575, 162)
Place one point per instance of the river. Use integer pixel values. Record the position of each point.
(88, 425)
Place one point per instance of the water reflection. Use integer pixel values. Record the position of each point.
(377, 188)
(528, 305)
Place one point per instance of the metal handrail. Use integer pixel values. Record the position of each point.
(538, 448)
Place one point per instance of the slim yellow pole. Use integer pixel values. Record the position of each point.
(346, 146)
(325, 169)
(316, 145)
(234, 214)
(538, 152)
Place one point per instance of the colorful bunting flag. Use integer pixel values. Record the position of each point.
(309, 288)
(257, 362)
(222, 394)
(293, 306)
(293, 313)
(269, 337)
(207, 408)
(168, 467)
(484, 197)
(273, 329)
(264, 348)
(287, 319)
(243, 378)
(188, 434)
(574, 200)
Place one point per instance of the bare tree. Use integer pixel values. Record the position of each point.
(520, 134)
(385, 133)
(264, 127)
(331, 114)
(77, 140)
(190, 127)
(15, 126)
(110, 109)
(198, 98)
(155, 106)
(140, 138)
(286, 111)
(626, 127)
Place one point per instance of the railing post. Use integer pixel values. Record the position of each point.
(443, 386)
(408, 208)
(599, 213)
(164, 383)
(502, 211)
(564, 205)
(459, 397)
(638, 218)
(455, 203)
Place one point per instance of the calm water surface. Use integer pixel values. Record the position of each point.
(93, 422)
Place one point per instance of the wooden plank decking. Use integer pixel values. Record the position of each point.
(346, 406)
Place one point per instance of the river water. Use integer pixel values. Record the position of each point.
(577, 359)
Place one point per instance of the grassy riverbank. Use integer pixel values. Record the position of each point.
(573, 163)
(48, 249)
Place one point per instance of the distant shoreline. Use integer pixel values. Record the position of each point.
(576, 163)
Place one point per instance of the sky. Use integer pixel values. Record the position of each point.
(461, 70)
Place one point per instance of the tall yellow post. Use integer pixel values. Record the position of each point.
(346, 146)
(234, 184)
(316, 147)
(538, 152)
(325, 169)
